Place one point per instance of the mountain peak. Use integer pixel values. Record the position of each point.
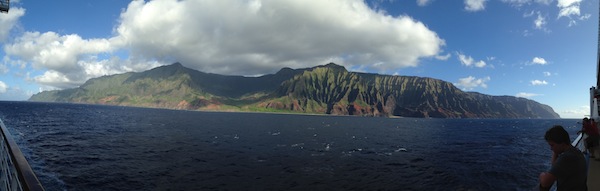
(177, 64)
(333, 66)
(174, 65)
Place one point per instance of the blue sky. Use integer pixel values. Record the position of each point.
(544, 50)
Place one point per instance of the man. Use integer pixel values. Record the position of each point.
(568, 163)
(591, 142)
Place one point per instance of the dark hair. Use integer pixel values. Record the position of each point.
(557, 134)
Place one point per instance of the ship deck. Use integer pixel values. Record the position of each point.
(593, 180)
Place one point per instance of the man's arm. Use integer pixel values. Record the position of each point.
(546, 180)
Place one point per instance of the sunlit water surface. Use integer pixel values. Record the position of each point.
(87, 147)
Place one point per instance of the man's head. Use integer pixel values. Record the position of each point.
(557, 137)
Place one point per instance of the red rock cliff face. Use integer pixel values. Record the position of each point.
(339, 92)
(328, 89)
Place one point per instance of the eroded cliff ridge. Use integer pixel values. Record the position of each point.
(326, 89)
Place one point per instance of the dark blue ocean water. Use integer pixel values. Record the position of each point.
(90, 147)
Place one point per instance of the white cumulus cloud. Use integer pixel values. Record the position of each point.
(443, 57)
(578, 112)
(538, 60)
(568, 7)
(475, 5)
(233, 37)
(520, 3)
(526, 95)
(547, 2)
(547, 74)
(571, 10)
(253, 37)
(423, 2)
(9, 20)
(540, 22)
(68, 60)
(538, 82)
(3, 87)
(469, 61)
(470, 82)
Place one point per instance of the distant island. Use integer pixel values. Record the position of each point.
(327, 89)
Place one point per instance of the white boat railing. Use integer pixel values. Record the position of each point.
(593, 103)
(15, 172)
(579, 143)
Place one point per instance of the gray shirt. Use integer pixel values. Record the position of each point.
(570, 170)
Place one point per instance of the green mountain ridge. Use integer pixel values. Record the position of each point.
(326, 89)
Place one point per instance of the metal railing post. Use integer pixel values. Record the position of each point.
(16, 172)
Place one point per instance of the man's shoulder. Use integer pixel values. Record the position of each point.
(572, 153)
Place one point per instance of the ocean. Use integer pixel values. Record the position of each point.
(95, 147)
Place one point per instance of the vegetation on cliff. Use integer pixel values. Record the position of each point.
(327, 89)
